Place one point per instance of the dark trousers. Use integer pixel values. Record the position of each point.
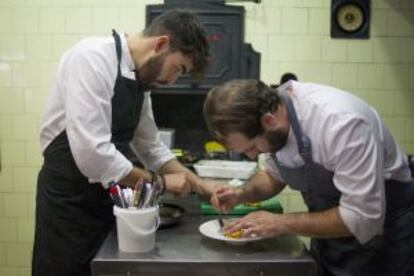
(72, 221)
(391, 254)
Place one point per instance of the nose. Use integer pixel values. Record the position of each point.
(252, 154)
(173, 78)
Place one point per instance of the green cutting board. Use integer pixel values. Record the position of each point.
(271, 205)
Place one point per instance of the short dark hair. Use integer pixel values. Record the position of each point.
(238, 106)
(187, 35)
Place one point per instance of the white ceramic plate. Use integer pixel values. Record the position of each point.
(212, 230)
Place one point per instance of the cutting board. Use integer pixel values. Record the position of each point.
(271, 205)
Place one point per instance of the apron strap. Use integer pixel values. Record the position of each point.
(118, 49)
(303, 141)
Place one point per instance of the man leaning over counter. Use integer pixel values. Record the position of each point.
(333, 148)
(99, 104)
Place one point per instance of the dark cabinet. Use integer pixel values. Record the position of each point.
(231, 57)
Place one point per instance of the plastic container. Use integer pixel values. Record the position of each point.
(225, 169)
(136, 228)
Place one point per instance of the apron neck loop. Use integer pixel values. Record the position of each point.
(118, 49)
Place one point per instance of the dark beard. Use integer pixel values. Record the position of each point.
(277, 139)
(149, 72)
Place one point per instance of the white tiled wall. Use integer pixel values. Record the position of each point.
(292, 35)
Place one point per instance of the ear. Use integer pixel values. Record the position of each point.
(162, 42)
(267, 120)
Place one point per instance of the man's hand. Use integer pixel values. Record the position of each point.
(259, 224)
(225, 197)
(205, 187)
(178, 183)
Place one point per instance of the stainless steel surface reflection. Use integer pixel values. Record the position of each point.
(182, 250)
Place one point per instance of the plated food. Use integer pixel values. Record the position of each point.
(233, 235)
(212, 229)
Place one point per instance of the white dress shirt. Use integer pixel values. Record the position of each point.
(80, 103)
(349, 139)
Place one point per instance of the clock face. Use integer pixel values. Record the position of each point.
(350, 17)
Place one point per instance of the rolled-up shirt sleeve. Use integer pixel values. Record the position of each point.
(358, 175)
(88, 119)
(146, 143)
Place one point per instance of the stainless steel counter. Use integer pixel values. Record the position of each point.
(182, 251)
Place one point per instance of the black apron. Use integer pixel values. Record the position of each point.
(73, 216)
(389, 254)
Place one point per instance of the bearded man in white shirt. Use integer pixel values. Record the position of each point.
(333, 148)
(99, 105)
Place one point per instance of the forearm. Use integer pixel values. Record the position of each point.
(172, 166)
(324, 224)
(132, 177)
(205, 188)
(202, 187)
(261, 186)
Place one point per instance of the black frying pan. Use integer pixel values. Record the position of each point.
(170, 214)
